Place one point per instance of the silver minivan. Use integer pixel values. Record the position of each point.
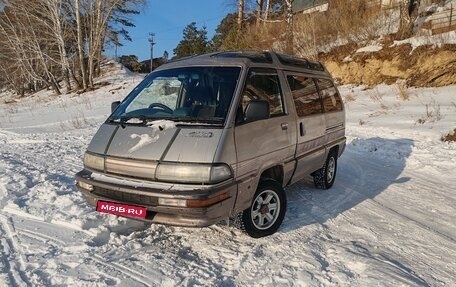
(217, 136)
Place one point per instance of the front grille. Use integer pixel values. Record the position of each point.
(126, 197)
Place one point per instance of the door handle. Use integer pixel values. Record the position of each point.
(284, 126)
(301, 129)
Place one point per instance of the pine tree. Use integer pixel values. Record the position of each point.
(194, 42)
(165, 56)
(223, 30)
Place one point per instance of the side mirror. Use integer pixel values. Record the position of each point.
(257, 110)
(114, 106)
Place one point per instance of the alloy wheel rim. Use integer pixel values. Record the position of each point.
(265, 209)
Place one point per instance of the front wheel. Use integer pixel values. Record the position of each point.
(324, 178)
(267, 211)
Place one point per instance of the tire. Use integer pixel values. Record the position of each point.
(254, 220)
(324, 178)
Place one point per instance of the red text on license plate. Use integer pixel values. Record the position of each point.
(121, 209)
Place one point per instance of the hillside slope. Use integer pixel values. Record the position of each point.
(421, 62)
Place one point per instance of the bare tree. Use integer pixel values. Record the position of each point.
(81, 53)
(266, 10)
(28, 43)
(57, 25)
(93, 18)
(47, 41)
(259, 12)
(408, 15)
(289, 20)
(240, 17)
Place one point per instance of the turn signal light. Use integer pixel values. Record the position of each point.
(207, 202)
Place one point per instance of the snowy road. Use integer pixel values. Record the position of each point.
(389, 220)
(386, 220)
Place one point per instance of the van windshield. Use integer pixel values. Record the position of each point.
(190, 94)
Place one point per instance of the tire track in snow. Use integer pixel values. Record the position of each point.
(360, 166)
(124, 270)
(12, 256)
(415, 221)
(397, 213)
(135, 275)
(42, 237)
(45, 164)
(169, 258)
(326, 207)
(384, 205)
(4, 260)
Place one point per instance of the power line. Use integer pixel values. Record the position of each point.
(152, 43)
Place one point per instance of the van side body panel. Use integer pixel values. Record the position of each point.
(259, 146)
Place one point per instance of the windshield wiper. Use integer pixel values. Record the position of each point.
(126, 120)
(196, 121)
(190, 121)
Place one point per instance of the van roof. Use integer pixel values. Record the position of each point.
(247, 58)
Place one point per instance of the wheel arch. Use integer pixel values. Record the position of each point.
(247, 189)
(275, 173)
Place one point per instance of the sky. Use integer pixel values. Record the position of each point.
(167, 19)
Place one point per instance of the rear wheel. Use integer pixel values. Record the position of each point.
(267, 211)
(324, 178)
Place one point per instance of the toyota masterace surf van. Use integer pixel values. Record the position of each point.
(217, 136)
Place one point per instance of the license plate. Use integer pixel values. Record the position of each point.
(121, 209)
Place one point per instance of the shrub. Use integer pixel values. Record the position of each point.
(450, 137)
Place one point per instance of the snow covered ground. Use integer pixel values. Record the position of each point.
(389, 220)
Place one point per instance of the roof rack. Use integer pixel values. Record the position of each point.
(255, 57)
(299, 62)
(264, 57)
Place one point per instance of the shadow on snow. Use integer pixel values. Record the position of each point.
(366, 169)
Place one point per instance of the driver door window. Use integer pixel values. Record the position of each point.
(263, 84)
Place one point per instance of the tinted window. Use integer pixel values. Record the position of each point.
(263, 84)
(305, 95)
(331, 99)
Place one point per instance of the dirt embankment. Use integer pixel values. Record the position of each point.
(425, 66)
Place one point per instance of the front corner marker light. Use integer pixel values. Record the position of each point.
(207, 202)
(84, 185)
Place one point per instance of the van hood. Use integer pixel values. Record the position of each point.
(160, 141)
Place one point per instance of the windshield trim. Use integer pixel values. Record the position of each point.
(177, 121)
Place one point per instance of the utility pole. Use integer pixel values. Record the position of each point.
(152, 43)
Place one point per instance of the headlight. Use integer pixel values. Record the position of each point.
(192, 173)
(92, 161)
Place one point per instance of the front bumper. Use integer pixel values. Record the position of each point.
(148, 194)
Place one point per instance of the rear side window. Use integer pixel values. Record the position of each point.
(263, 84)
(331, 98)
(305, 95)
